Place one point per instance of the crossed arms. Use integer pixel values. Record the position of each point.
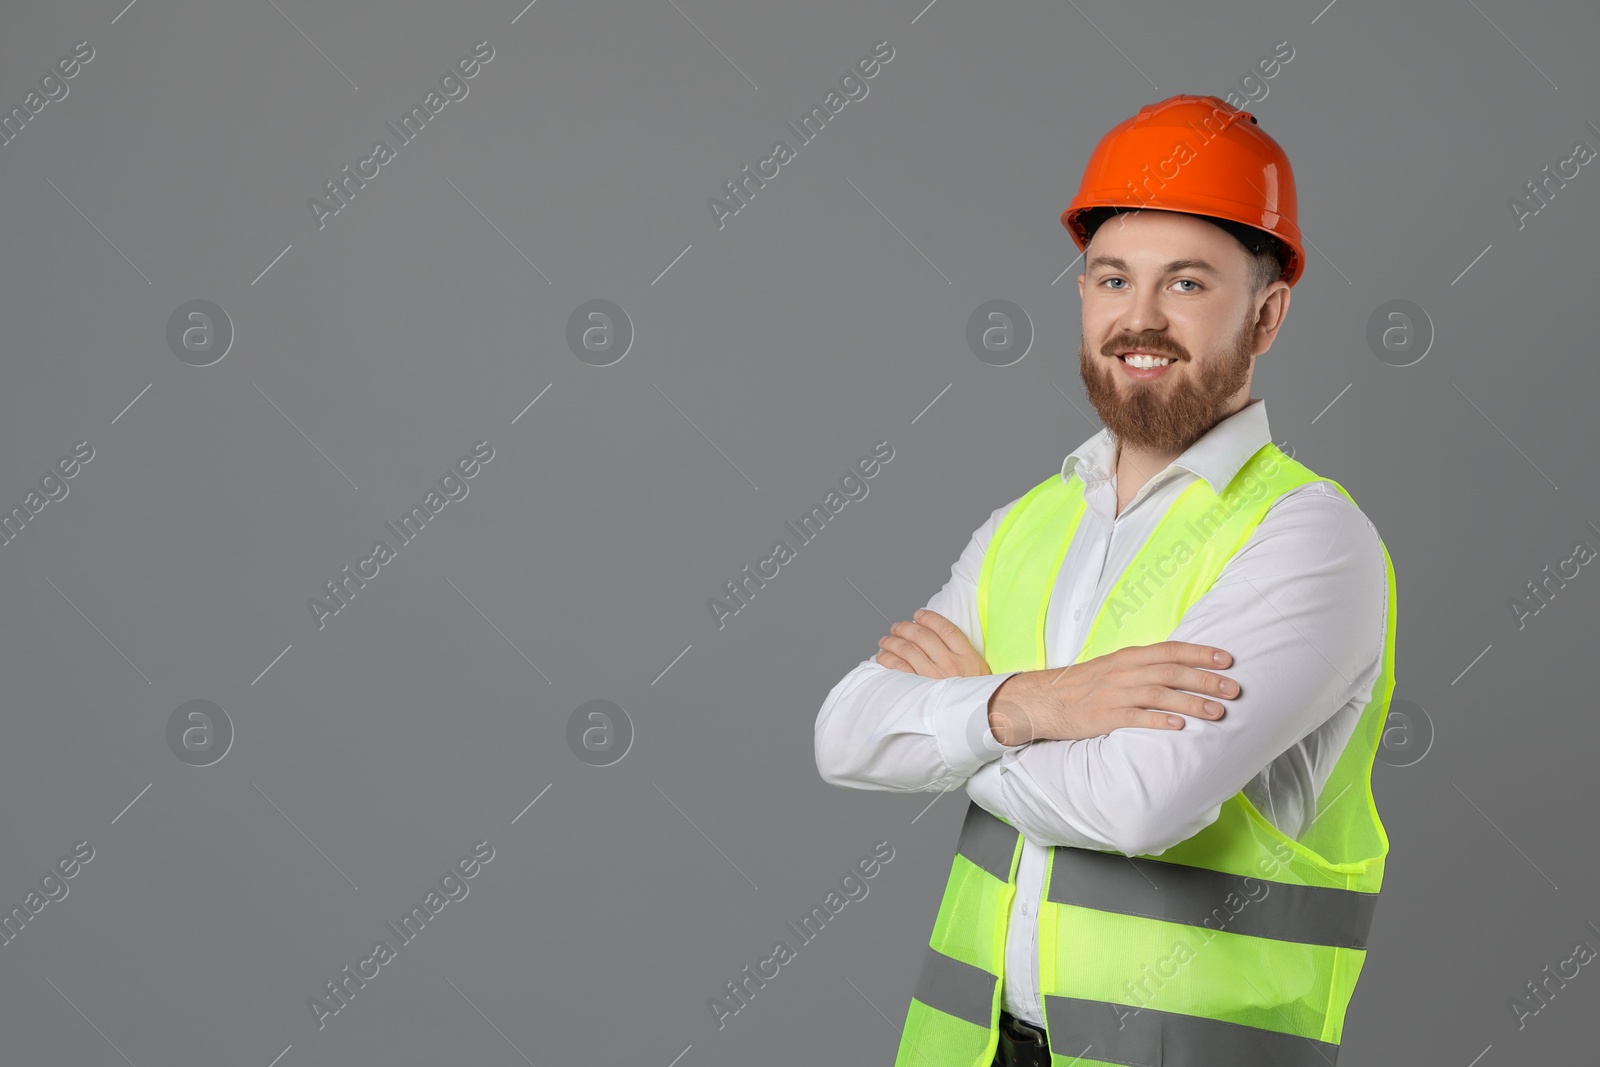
(1300, 608)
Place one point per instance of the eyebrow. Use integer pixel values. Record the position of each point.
(1176, 265)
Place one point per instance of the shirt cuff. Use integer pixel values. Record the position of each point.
(961, 723)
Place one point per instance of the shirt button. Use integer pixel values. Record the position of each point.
(1025, 910)
(1077, 613)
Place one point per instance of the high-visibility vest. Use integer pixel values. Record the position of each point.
(1239, 946)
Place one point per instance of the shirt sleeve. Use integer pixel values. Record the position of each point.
(882, 728)
(1302, 610)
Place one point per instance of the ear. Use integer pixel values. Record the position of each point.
(1274, 309)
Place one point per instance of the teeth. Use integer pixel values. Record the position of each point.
(1146, 361)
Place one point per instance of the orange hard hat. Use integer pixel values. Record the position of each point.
(1201, 156)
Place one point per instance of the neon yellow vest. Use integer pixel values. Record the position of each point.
(1237, 947)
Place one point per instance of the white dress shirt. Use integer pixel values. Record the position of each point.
(1301, 608)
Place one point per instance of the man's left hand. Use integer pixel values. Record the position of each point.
(931, 646)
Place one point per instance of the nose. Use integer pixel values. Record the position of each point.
(1144, 313)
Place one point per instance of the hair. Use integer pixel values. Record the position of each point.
(1265, 266)
(1265, 252)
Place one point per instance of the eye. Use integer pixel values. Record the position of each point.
(1188, 281)
(1111, 279)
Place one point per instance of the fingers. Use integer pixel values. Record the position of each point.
(913, 653)
(1155, 705)
(1161, 698)
(1157, 720)
(1214, 685)
(923, 648)
(947, 632)
(930, 638)
(1193, 655)
(1192, 679)
(1184, 652)
(1173, 676)
(894, 662)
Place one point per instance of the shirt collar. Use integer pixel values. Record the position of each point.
(1216, 456)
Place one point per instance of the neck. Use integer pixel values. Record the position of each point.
(1136, 466)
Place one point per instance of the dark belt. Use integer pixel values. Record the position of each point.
(1021, 1044)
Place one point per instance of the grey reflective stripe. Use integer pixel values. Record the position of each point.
(1122, 1033)
(955, 988)
(1196, 896)
(987, 842)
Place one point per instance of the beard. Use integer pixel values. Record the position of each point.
(1174, 411)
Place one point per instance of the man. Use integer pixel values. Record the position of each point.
(1161, 674)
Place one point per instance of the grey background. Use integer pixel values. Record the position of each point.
(771, 356)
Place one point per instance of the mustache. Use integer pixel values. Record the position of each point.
(1123, 344)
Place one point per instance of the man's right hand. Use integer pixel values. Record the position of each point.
(1111, 692)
